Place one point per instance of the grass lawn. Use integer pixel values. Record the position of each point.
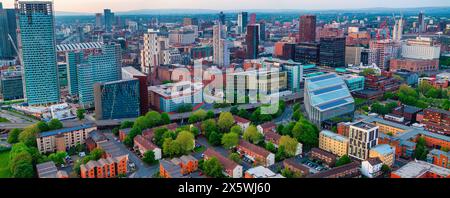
(3, 119)
(4, 168)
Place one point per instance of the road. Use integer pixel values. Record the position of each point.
(142, 170)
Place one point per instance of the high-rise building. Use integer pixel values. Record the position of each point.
(252, 18)
(353, 55)
(398, 30)
(327, 97)
(97, 68)
(382, 51)
(262, 31)
(307, 53)
(252, 41)
(363, 136)
(11, 87)
(332, 51)
(421, 23)
(307, 28)
(151, 54)
(109, 19)
(7, 28)
(132, 73)
(242, 22)
(37, 33)
(190, 21)
(222, 18)
(420, 48)
(220, 45)
(98, 20)
(117, 99)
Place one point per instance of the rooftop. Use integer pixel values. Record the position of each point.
(78, 46)
(256, 149)
(147, 144)
(334, 136)
(416, 169)
(111, 149)
(383, 149)
(47, 170)
(262, 172)
(364, 125)
(176, 89)
(374, 161)
(65, 130)
(337, 170)
(132, 71)
(228, 164)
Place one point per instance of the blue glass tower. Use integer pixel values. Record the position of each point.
(36, 23)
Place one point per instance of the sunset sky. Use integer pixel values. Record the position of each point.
(93, 6)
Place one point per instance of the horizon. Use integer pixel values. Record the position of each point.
(97, 6)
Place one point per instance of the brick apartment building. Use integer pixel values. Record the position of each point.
(258, 155)
(351, 170)
(421, 169)
(437, 121)
(326, 157)
(63, 139)
(231, 168)
(178, 167)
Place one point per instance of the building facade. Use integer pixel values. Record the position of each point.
(332, 51)
(63, 139)
(252, 41)
(363, 136)
(334, 143)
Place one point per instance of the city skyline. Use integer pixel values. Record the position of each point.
(230, 5)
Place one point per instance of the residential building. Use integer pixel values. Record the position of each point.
(411, 78)
(123, 133)
(261, 172)
(49, 170)
(182, 36)
(151, 55)
(143, 145)
(95, 138)
(109, 167)
(170, 97)
(258, 155)
(97, 68)
(371, 167)
(187, 163)
(252, 41)
(436, 121)
(130, 73)
(63, 139)
(334, 143)
(332, 51)
(242, 122)
(421, 169)
(37, 38)
(398, 29)
(117, 99)
(324, 156)
(167, 169)
(307, 53)
(409, 113)
(307, 28)
(231, 168)
(326, 97)
(98, 20)
(439, 158)
(351, 170)
(221, 46)
(363, 136)
(294, 166)
(11, 86)
(384, 152)
(383, 51)
(266, 127)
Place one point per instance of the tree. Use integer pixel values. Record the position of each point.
(368, 71)
(210, 114)
(343, 161)
(55, 124)
(13, 136)
(208, 126)
(186, 140)
(149, 158)
(42, 126)
(251, 134)
(226, 121)
(197, 116)
(385, 168)
(287, 130)
(297, 115)
(28, 135)
(115, 131)
(289, 144)
(213, 168)
(195, 131)
(271, 147)
(236, 129)
(165, 118)
(171, 148)
(153, 118)
(126, 124)
(141, 123)
(230, 140)
(215, 138)
(424, 86)
(80, 113)
(58, 157)
(280, 154)
(234, 110)
(235, 157)
(296, 107)
(244, 114)
(23, 170)
(421, 150)
(96, 154)
(306, 133)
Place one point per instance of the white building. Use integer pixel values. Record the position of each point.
(371, 167)
(420, 48)
(152, 52)
(261, 172)
(363, 136)
(398, 30)
(221, 46)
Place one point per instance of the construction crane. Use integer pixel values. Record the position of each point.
(383, 26)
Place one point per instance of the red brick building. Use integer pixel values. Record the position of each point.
(109, 167)
(231, 168)
(294, 166)
(258, 155)
(326, 157)
(421, 169)
(437, 121)
(414, 65)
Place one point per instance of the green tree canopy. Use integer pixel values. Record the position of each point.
(80, 113)
(343, 160)
(186, 140)
(251, 134)
(290, 145)
(55, 124)
(226, 121)
(213, 168)
(149, 158)
(230, 140)
(13, 136)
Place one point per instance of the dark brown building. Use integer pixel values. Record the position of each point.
(252, 41)
(307, 30)
(351, 170)
(326, 157)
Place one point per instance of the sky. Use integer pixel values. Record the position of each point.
(93, 6)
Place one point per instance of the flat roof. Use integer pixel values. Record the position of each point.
(334, 136)
(383, 149)
(415, 169)
(65, 130)
(132, 71)
(364, 125)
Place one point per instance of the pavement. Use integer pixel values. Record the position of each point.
(142, 170)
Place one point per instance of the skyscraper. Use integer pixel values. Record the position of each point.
(109, 19)
(37, 33)
(307, 28)
(252, 18)
(252, 41)
(332, 51)
(151, 54)
(7, 27)
(220, 46)
(222, 18)
(398, 30)
(98, 20)
(421, 22)
(242, 22)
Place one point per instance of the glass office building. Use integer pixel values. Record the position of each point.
(11, 86)
(36, 23)
(327, 97)
(117, 99)
(97, 68)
